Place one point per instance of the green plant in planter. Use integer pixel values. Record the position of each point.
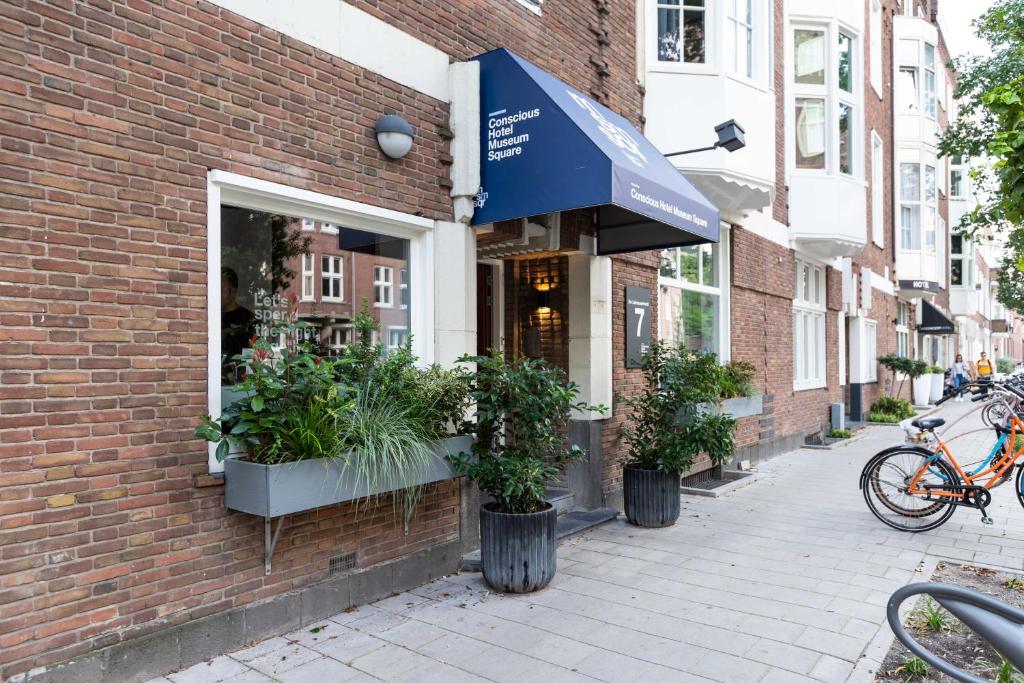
(1005, 365)
(289, 410)
(670, 423)
(840, 434)
(737, 379)
(935, 370)
(523, 407)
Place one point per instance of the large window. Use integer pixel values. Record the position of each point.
(809, 327)
(267, 280)
(741, 28)
(690, 302)
(918, 207)
(877, 190)
(825, 99)
(682, 31)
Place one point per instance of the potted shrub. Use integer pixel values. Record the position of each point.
(670, 424)
(938, 379)
(737, 391)
(522, 412)
(308, 432)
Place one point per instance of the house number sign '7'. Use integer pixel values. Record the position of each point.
(638, 325)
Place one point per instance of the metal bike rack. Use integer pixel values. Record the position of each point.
(997, 623)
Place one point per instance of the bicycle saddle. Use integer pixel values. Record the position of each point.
(928, 423)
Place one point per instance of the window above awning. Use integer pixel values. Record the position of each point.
(933, 321)
(546, 147)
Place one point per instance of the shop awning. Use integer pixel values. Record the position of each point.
(546, 147)
(933, 321)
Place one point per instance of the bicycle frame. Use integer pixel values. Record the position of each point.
(992, 467)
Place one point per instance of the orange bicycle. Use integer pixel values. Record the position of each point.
(918, 487)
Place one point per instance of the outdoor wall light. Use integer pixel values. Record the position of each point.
(394, 135)
(731, 137)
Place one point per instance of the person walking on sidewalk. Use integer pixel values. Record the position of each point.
(961, 374)
(984, 368)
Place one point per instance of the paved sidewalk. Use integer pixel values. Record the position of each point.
(784, 580)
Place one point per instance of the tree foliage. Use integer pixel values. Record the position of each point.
(990, 125)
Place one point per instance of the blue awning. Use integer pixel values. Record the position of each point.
(547, 147)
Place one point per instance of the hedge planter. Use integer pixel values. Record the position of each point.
(517, 551)
(275, 490)
(922, 389)
(651, 497)
(938, 382)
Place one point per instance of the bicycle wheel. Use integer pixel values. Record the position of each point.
(995, 414)
(886, 477)
(1018, 485)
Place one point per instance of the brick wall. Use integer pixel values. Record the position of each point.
(111, 113)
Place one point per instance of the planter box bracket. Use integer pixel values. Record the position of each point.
(270, 541)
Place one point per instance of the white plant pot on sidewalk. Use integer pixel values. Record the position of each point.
(922, 389)
(937, 382)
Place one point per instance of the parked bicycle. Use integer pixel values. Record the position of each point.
(918, 487)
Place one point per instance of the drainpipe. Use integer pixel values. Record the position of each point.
(464, 122)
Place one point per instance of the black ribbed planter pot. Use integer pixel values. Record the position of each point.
(651, 497)
(517, 552)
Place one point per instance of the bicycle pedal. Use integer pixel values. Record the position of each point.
(987, 520)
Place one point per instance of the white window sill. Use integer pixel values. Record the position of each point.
(377, 305)
(332, 300)
(685, 68)
(530, 6)
(807, 386)
(307, 299)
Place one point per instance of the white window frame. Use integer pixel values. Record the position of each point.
(403, 287)
(810, 363)
(308, 224)
(877, 189)
(870, 351)
(711, 35)
(396, 328)
(831, 95)
(532, 5)
(875, 38)
(330, 275)
(903, 329)
(382, 284)
(234, 189)
(742, 22)
(922, 161)
(329, 228)
(308, 276)
(919, 105)
(337, 337)
(721, 290)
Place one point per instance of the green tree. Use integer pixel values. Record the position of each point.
(991, 126)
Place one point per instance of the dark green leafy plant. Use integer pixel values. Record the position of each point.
(907, 367)
(840, 434)
(737, 379)
(672, 420)
(523, 407)
(883, 417)
(900, 408)
(1005, 365)
(289, 409)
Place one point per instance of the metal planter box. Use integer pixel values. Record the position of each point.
(741, 406)
(275, 490)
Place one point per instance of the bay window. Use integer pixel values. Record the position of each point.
(918, 207)
(916, 80)
(809, 327)
(691, 300)
(682, 31)
(825, 100)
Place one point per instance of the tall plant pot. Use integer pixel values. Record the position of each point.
(651, 497)
(938, 379)
(517, 551)
(922, 389)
